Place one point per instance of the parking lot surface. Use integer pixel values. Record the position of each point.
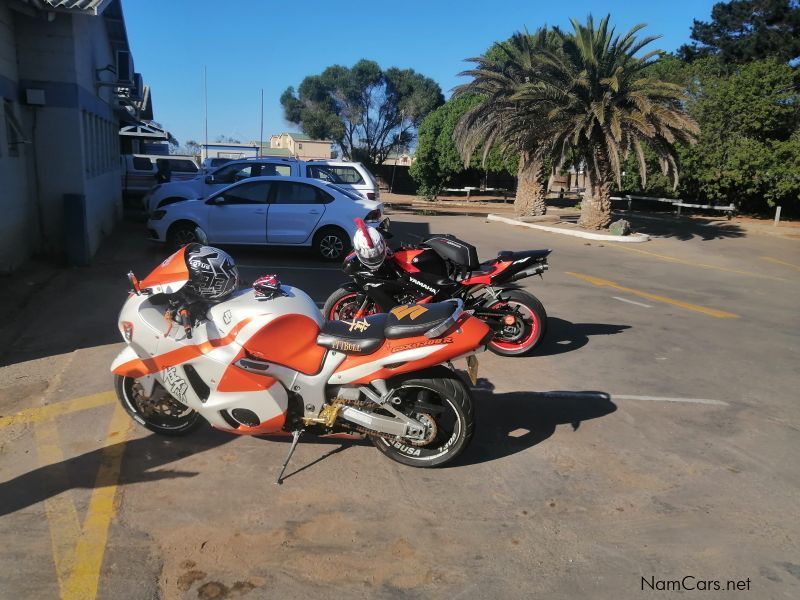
(652, 437)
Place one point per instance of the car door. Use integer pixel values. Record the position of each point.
(239, 214)
(294, 211)
(228, 174)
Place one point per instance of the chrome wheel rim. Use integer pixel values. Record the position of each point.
(185, 236)
(331, 246)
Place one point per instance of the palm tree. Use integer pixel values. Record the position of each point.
(504, 120)
(599, 104)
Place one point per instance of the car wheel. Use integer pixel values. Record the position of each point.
(182, 234)
(331, 244)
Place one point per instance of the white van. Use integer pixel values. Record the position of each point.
(139, 170)
(351, 175)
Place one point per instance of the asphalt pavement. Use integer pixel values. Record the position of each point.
(651, 439)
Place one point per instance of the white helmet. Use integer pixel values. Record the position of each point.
(368, 245)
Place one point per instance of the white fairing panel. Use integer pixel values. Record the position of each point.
(215, 345)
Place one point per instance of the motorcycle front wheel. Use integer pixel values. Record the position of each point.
(524, 324)
(444, 405)
(342, 305)
(166, 416)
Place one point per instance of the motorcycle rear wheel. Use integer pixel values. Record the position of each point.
(183, 424)
(445, 405)
(529, 327)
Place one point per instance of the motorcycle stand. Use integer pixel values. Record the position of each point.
(295, 438)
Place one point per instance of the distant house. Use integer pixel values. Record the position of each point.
(401, 160)
(298, 145)
(67, 89)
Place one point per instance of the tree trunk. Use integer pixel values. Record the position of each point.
(596, 205)
(530, 199)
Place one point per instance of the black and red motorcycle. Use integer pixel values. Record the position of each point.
(443, 267)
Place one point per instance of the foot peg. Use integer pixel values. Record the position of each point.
(295, 438)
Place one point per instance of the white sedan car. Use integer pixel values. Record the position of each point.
(281, 211)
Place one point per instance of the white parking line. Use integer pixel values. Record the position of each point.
(601, 396)
(631, 302)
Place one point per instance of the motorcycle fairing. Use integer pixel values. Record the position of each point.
(170, 276)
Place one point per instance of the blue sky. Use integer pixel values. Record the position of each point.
(252, 44)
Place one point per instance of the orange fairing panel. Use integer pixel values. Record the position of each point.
(463, 338)
(272, 425)
(172, 271)
(291, 341)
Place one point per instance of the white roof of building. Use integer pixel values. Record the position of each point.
(94, 7)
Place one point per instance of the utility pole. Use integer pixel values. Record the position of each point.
(205, 94)
(261, 135)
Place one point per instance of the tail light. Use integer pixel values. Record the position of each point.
(370, 195)
(373, 215)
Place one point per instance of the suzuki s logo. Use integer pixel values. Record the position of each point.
(433, 290)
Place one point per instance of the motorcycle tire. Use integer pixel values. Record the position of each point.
(451, 429)
(164, 425)
(527, 333)
(336, 308)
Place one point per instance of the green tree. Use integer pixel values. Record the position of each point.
(367, 111)
(749, 148)
(437, 157)
(600, 105)
(744, 30)
(500, 120)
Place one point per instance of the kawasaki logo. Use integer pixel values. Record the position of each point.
(433, 290)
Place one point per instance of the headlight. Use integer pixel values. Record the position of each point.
(157, 215)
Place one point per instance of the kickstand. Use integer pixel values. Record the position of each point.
(295, 438)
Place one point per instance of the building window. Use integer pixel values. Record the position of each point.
(14, 135)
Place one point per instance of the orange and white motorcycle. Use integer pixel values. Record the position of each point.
(265, 361)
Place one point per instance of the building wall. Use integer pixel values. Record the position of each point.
(73, 147)
(311, 149)
(16, 224)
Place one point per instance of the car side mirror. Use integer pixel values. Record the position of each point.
(209, 179)
(216, 200)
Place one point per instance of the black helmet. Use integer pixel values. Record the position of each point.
(213, 275)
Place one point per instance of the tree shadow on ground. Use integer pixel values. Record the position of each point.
(142, 459)
(513, 422)
(682, 228)
(563, 336)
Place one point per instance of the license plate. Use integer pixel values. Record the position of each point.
(472, 369)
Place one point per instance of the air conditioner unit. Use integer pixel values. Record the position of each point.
(124, 67)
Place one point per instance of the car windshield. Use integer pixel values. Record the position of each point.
(349, 193)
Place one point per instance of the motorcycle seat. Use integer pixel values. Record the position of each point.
(410, 320)
(511, 255)
(362, 336)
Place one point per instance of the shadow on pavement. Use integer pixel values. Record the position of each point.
(563, 336)
(684, 229)
(141, 457)
(513, 422)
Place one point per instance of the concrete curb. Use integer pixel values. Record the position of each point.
(635, 238)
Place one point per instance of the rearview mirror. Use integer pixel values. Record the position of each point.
(209, 179)
(215, 200)
(384, 229)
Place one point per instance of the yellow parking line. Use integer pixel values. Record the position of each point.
(693, 263)
(781, 262)
(60, 510)
(712, 312)
(43, 413)
(82, 583)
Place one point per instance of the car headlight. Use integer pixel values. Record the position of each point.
(157, 215)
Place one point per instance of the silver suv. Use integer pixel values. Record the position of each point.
(349, 175)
